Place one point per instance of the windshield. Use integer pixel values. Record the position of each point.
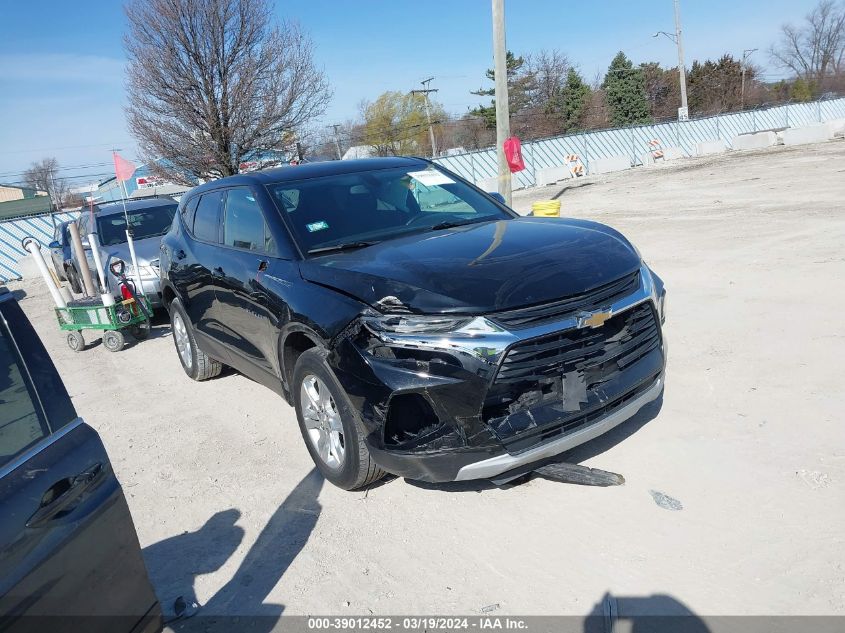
(143, 222)
(373, 206)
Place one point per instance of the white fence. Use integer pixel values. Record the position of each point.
(633, 141)
(590, 147)
(13, 231)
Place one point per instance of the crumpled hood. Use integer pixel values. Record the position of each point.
(480, 268)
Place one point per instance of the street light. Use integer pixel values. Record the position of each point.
(683, 111)
(745, 55)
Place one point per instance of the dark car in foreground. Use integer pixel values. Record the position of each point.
(418, 326)
(69, 555)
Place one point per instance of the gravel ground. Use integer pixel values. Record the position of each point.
(733, 501)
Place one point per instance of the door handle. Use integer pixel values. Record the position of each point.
(218, 272)
(62, 494)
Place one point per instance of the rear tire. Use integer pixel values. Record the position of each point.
(196, 363)
(328, 414)
(140, 332)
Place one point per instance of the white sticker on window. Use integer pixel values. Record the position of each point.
(431, 177)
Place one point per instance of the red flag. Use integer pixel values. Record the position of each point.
(513, 154)
(123, 169)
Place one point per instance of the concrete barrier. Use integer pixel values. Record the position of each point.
(836, 127)
(488, 184)
(807, 134)
(706, 148)
(758, 140)
(551, 175)
(609, 164)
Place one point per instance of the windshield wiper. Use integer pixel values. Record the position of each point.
(346, 246)
(452, 224)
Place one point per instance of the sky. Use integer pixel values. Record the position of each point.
(62, 64)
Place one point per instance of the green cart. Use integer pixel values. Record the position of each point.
(113, 321)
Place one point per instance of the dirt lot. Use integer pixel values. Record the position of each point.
(748, 439)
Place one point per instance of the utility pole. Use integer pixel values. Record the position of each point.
(683, 113)
(745, 55)
(335, 126)
(503, 122)
(58, 202)
(425, 91)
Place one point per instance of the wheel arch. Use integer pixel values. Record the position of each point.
(294, 340)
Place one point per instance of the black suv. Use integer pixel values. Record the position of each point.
(418, 325)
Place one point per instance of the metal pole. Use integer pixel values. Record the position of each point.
(681, 68)
(503, 125)
(58, 202)
(425, 83)
(336, 140)
(745, 55)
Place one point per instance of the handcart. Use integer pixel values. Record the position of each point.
(112, 320)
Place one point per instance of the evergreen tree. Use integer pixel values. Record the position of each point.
(625, 92)
(520, 83)
(576, 94)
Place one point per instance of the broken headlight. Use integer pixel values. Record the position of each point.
(661, 307)
(430, 324)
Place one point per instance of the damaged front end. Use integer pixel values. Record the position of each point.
(444, 397)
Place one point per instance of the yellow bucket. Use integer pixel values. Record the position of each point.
(546, 209)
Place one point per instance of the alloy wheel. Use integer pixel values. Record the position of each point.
(183, 342)
(322, 420)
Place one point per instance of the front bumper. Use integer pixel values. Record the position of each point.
(454, 386)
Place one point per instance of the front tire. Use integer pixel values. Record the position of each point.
(75, 340)
(113, 340)
(73, 280)
(327, 423)
(196, 363)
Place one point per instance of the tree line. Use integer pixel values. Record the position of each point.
(215, 83)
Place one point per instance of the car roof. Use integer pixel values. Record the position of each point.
(313, 170)
(108, 208)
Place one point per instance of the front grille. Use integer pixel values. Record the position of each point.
(547, 383)
(623, 339)
(591, 301)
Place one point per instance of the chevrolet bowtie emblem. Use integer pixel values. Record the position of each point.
(594, 319)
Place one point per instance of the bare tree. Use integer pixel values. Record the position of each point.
(42, 176)
(549, 70)
(815, 50)
(214, 82)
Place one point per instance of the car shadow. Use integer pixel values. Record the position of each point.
(576, 455)
(175, 563)
(642, 614)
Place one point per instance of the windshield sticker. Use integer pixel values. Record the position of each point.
(322, 225)
(431, 177)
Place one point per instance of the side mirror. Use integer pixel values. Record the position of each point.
(498, 196)
(54, 244)
(117, 267)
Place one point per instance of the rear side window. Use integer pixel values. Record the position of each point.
(207, 217)
(21, 420)
(188, 211)
(243, 224)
